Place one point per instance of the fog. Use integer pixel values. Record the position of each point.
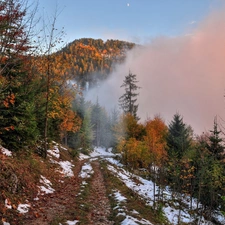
(184, 74)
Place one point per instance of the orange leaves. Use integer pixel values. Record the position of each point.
(156, 131)
(9, 128)
(70, 122)
(9, 100)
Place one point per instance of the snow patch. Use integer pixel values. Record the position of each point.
(99, 151)
(66, 168)
(119, 197)
(54, 152)
(86, 171)
(5, 151)
(46, 189)
(6, 223)
(129, 220)
(82, 156)
(72, 222)
(23, 208)
(8, 204)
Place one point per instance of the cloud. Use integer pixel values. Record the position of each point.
(192, 22)
(184, 74)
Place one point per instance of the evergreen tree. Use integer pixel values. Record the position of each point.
(178, 142)
(86, 134)
(83, 139)
(97, 122)
(179, 136)
(128, 100)
(114, 121)
(18, 124)
(215, 145)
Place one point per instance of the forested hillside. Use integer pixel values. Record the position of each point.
(91, 60)
(41, 113)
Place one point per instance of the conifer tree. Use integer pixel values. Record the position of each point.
(179, 136)
(18, 126)
(86, 134)
(215, 146)
(128, 100)
(96, 120)
(178, 142)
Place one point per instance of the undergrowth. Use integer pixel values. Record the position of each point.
(133, 203)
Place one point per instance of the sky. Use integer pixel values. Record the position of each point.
(133, 20)
(180, 67)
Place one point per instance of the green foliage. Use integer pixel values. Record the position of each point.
(83, 139)
(179, 137)
(128, 100)
(215, 146)
(86, 134)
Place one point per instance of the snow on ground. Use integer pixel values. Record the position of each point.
(82, 156)
(8, 204)
(99, 151)
(46, 187)
(23, 208)
(129, 220)
(119, 197)
(145, 189)
(86, 171)
(72, 222)
(5, 151)
(54, 152)
(66, 168)
(5, 223)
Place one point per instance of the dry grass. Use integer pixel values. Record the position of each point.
(133, 201)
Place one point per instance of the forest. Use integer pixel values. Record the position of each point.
(38, 105)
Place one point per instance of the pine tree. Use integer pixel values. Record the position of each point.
(128, 100)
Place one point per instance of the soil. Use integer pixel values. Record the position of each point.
(49, 207)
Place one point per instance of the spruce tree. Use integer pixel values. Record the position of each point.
(128, 100)
(179, 137)
(178, 142)
(215, 146)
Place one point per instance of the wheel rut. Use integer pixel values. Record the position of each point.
(98, 200)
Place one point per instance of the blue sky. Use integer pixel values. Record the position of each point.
(132, 20)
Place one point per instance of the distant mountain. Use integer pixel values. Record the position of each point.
(91, 60)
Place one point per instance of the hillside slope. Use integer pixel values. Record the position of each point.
(93, 189)
(91, 60)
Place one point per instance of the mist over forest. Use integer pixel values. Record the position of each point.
(182, 74)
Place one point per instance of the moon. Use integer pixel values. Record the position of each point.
(128, 4)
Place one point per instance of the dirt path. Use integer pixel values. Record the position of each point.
(63, 203)
(100, 207)
(51, 207)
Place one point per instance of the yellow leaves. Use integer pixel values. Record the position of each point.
(134, 152)
(61, 109)
(155, 139)
(70, 122)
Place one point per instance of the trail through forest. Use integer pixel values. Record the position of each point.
(66, 203)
